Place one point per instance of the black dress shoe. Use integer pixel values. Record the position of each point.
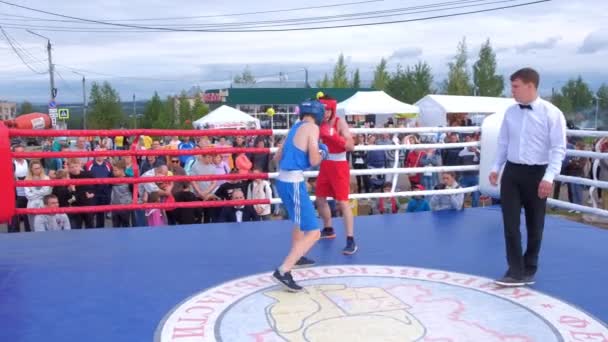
(509, 281)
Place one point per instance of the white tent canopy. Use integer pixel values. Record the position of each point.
(433, 108)
(227, 117)
(374, 102)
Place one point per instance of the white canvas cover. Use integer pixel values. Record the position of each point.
(434, 108)
(374, 102)
(226, 117)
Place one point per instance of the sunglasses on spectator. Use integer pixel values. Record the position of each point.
(175, 161)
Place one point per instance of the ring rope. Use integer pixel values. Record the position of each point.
(222, 132)
(141, 153)
(236, 176)
(14, 132)
(218, 204)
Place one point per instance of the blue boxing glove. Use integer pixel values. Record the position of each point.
(324, 151)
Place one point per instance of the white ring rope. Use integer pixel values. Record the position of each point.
(582, 133)
(582, 181)
(587, 154)
(404, 130)
(400, 194)
(437, 146)
(408, 170)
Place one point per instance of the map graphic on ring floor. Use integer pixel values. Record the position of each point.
(375, 303)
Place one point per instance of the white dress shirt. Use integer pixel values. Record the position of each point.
(533, 137)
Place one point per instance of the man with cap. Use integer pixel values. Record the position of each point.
(300, 151)
(334, 174)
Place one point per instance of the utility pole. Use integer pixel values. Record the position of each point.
(84, 100)
(306, 76)
(134, 113)
(84, 103)
(52, 104)
(51, 65)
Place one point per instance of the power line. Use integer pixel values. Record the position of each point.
(12, 45)
(166, 29)
(215, 15)
(435, 7)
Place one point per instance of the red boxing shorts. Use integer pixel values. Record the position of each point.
(333, 180)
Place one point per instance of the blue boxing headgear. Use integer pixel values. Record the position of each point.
(313, 108)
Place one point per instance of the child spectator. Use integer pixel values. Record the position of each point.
(101, 168)
(156, 217)
(417, 203)
(121, 194)
(63, 193)
(447, 202)
(186, 215)
(260, 189)
(84, 195)
(45, 223)
(386, 205)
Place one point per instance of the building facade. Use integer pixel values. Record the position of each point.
(8, 110)
(257, 101)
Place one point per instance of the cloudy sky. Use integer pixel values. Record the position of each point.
(561, 38)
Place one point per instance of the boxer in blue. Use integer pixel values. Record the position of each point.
(300, 151)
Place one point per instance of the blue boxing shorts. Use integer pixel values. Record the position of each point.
(298, 204)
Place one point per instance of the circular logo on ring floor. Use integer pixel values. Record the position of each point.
(376, 303)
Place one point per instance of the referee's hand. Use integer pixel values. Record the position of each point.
(544, 189)
(494, 178)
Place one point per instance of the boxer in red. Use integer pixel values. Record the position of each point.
(334, 174)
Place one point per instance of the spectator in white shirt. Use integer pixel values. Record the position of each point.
(45, 223)
(35, 194)
(260, 189)
(532, 144)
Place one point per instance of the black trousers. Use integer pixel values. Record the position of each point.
(121, 219)
(15, 224)
(519, 187)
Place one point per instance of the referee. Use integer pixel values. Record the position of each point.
(532, 144)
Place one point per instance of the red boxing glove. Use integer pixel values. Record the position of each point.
(331, 137)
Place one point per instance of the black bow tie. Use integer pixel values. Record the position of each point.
(522, 106)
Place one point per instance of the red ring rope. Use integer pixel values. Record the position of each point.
(159, 152)
(129, 132)
(139, 180)
(142, 206)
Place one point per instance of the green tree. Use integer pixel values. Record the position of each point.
(324, 83)
(105, 107)
(412, 83)
(356, 83)
(487, 82)
(563, 103)
(339, 79)
(246, 77)
(154, 113)
(381, 76)
(26, 108)
(199, 110)
(170, 104)
(602, 95)
(458, 81)
(184, 108)
(579, 94)
(421, 76)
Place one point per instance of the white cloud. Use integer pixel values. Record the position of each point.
(596, 41)
(555, 31)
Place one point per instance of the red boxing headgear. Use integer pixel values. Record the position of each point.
(330, 104)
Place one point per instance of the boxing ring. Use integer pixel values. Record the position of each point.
(417, 276)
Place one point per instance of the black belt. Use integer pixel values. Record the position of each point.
(527, 165)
